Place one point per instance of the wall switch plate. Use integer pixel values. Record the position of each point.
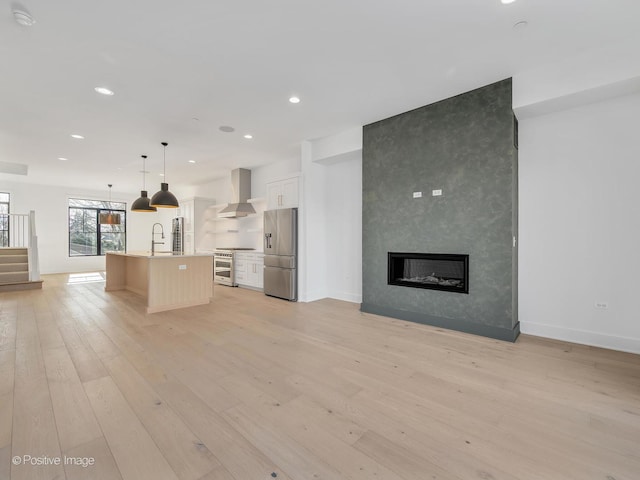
(182, 267)
(602, 305)
(417, 194)
(436, 193)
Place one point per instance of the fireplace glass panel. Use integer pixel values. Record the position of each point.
(448, 272)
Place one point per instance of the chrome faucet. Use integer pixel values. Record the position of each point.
(153, 236)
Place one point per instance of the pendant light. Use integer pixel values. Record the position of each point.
(110, 218)
(142, 204)
(164, 198)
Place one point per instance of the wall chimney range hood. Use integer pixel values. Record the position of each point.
(240, 193)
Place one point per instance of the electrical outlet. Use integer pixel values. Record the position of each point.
(182, 267)
(417, 194)
(602, 305)
(436, 193)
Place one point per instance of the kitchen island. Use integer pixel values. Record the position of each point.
(166, 280)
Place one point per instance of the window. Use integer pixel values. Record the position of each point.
(4, 219)
(86, 236)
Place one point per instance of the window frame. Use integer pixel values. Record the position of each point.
(108, 207)
(8, 229)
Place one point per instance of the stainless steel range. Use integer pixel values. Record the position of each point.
(223, 259)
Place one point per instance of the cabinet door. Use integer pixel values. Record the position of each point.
(186, 211)
(274, 194)
(259, 269)
(240, 260)
(255, 274)
(259, 278)
(283, 194)
(251, 273)
(289, 195)
(259, 274)
(240, 269)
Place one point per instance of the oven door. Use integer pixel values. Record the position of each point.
(223, 270)
(223, 263)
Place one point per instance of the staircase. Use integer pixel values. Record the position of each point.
(19, 265)
(14, 270)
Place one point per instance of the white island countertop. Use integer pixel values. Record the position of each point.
(160, 254)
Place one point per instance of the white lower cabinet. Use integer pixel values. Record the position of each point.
(240, 268)
(248, 269)
(255, 271)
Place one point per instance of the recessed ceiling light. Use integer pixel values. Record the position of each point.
(294, 100)
(507, 2)
(227, 129)
(192, 161)
(22, 17)
(103, 91)
(63, 159)
(76, 136)
(248, 136)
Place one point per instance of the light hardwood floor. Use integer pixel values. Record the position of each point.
(251, 387)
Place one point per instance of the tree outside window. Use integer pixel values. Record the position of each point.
(87, 237)
(4, 219)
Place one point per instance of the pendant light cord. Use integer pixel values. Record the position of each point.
(144, 167)
(164, 161)
(110, 185)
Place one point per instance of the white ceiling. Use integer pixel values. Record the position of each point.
(181, 69)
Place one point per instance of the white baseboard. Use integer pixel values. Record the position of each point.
(347, 296)
(319, 295)
(585, 337)
(312, 296)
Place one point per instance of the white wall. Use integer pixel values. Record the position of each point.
(51, 207)
(580, 224)
(343, 234)
(219, 189)
(260, 176)
(332, 217)
(314, 254)
(331, 149)
(590, 76)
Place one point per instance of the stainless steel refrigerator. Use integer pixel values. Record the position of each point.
(177, 235)
(280, 253)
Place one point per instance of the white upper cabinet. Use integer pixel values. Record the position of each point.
(283, 193)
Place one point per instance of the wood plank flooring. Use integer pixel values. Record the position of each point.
(255, 388)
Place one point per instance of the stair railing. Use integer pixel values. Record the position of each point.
(14, 230)
(34, 262)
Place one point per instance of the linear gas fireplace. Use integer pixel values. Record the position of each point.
(435, 271)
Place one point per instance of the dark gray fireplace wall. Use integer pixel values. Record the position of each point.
(464, 146)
